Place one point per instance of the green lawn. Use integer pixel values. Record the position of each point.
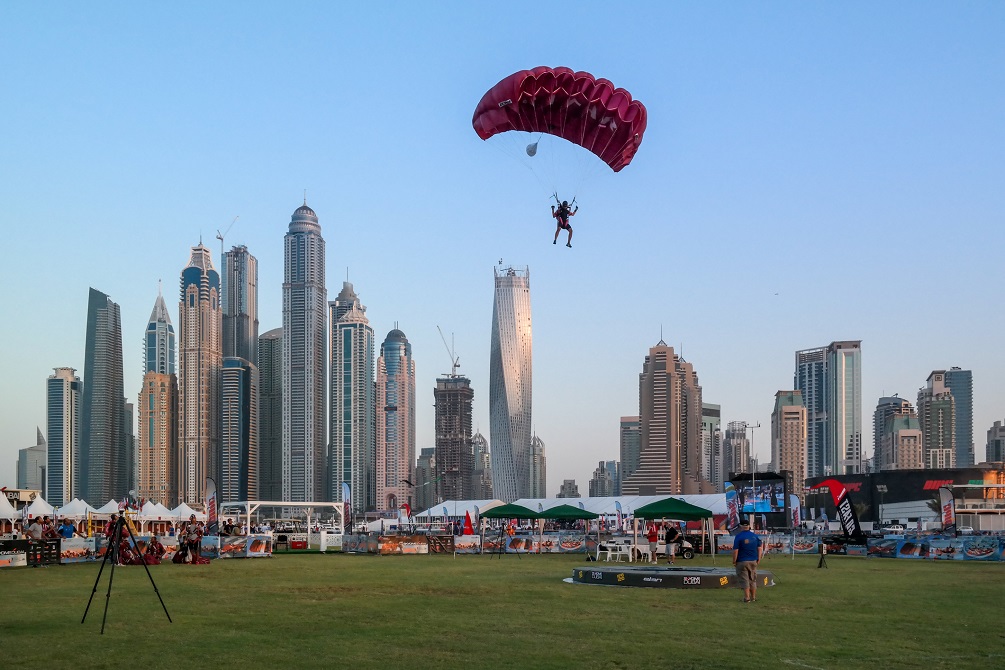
(475, 611)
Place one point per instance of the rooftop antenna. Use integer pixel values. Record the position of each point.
(305, 197)
(220, 237)
(455, 361)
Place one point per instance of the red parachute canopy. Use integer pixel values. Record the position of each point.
(575, 106)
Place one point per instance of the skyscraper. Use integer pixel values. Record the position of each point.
(238, 466)
(900, 439)
(735, 449)
(353, 456)
(568, 489)
(481, 487)
(886, 407)
(996, 443)
(240, 305)
(937, 415)
(604, 482)
(538, 469)
(510, 376)
(304, 303)
(270, 415)
(961, 384)
(830, 380)
(200, 361)
(425, 493)
(711, 445)
(454, 458)
(788, 437)
(630, 445)
(104, 454)
(670, 417)
(395, 412)
(62, 472)
(157, 434)
(31, 465)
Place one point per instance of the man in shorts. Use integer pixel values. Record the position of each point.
(747, 552)
(561, 216)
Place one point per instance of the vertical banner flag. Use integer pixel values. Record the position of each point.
(212, 518)
(794, 508)
(346, 504)
(478, 517)
(621, 517)
(948, 505)
(732, 508)
(846, 513)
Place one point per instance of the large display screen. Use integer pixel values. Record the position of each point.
(763, 493)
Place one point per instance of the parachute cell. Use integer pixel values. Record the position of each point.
(575, 106)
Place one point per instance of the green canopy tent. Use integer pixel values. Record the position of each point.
(678, 510)
(565, 513)
(509, 511)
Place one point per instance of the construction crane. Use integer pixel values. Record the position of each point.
(455, 361)
(220, 235)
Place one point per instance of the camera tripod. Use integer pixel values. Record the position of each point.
(112, 555)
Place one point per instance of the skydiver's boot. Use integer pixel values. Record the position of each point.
(568, 244)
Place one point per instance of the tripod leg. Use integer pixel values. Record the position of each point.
(147, 568)
(95, 589)
(116, 539)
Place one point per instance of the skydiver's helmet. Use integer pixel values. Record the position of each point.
(565, 204)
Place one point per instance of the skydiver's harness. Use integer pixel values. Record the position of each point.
(562, 213)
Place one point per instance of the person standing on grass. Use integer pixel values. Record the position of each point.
(654, 542)
(747, 552)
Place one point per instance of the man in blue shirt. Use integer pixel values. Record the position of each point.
(747, 552)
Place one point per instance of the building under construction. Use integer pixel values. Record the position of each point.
(455, 460)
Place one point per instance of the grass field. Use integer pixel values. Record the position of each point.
(473, 612)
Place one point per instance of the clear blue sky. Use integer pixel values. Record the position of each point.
(811, 172)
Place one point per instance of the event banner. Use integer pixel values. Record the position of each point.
(13, 553)
(467, 544)
(846, 513)
(948, 506)
(212, 517)
(732, 508)
(77, 550)
(402, 544)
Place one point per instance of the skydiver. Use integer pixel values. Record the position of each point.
(561, 216)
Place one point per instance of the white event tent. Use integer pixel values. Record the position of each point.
(454, 510)
(39, 507)
(7, 510)
(75, 509)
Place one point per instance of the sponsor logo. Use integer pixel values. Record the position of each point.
(936, 484)
(651, 579)
(854, 487)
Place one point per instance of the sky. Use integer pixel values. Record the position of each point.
(811, 172)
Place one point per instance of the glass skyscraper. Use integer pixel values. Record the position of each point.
(455, 460)
(240, 305)
(238, 466)
(270, 415)
(353, 453)
(395, 414)
(200, 360)
(62, 400)
(304, 303)
(830, 381)
(104, 445)
(510, 376)
(961, 384)
(157, 433)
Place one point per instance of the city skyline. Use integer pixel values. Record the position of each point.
(786, 157)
